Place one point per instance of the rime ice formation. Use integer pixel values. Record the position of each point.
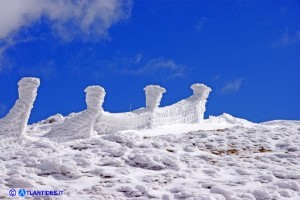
(81, 125)
(190, 110)
(153, 96)
(94, 120)
(13, 125)
(138, 119)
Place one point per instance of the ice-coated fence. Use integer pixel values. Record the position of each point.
(190, 110)
(94, 120)
(113, 122)
(13, 125)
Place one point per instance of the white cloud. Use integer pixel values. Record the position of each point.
(232, 86)
(162, 64)
(5, 63)
(140, 65)
(69, 19)
(158, 66)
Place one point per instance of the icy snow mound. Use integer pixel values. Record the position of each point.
(282, 123)
(229, 119)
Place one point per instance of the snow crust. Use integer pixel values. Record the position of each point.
(223, 158)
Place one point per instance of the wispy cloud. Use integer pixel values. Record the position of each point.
(5, 62)
(68, 19)
(288, 38)
(162, 65)
(2, 108)
(283, 10)
(232, 86)
(136, 65)
(45, 70)
(201, 23)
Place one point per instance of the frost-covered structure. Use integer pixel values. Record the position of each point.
(138, 119)
(81, 125)
(13, 125)
(190, 110)
(94, 120)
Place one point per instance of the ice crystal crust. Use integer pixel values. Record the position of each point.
(13, 125)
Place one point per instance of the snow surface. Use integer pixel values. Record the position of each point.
(221, 158)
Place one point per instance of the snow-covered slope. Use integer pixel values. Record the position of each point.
(221, 158)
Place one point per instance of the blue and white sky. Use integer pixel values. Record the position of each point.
(248, 52)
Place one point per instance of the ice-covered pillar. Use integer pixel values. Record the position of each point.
(153, 96)
(27, 94)
(81, 125)
(15, 122)
(94, 98)
(201, 93)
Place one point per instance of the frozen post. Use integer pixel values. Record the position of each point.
(201, 93)
(27, 95)
(94, 97)
(15, 121)
(153, 96)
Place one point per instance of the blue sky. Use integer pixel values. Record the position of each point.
(246, 51)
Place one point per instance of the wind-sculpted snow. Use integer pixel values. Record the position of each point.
(231, 159)
(13, 125)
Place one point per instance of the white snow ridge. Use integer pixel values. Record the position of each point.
(154, 152)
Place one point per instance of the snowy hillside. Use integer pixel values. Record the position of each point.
(220, 158)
